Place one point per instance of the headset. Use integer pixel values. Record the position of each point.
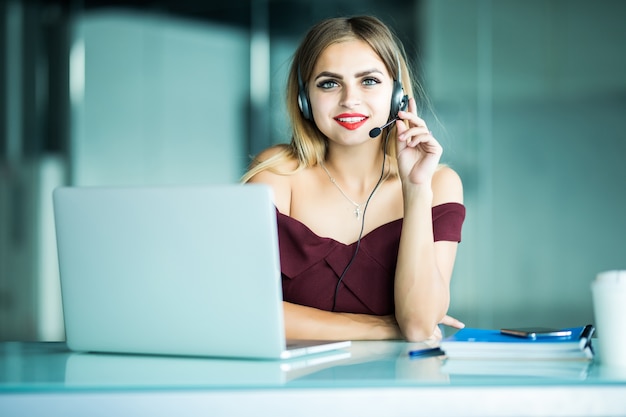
(303, 99)
(399, 101)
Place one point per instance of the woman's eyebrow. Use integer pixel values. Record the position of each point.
(328, 74)
(357, 75)
(368, 72)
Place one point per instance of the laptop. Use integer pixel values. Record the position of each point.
(173, 270)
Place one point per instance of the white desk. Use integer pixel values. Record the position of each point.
(375, 379)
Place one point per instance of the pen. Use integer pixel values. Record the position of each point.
(425, 353)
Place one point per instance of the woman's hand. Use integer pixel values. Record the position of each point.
(448, 321)
(418, 151)
(452, 322)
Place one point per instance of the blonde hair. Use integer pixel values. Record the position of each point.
(308, 145)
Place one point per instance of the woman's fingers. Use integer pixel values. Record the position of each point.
(452, 322)
(415, 135)
(417, 130)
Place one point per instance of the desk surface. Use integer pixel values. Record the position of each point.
(370, 378)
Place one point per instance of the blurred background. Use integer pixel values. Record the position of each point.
(528, 99)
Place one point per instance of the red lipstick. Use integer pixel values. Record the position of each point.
(351, 121)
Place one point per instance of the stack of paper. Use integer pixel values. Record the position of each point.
(469, 343)
(577, 369)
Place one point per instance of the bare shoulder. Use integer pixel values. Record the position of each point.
(278, 166)
(270, 153)
(447, 186)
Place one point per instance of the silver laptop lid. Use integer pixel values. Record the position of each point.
(170, 270)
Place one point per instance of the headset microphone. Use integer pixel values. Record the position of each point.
(376, 131)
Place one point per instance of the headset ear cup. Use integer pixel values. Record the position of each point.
(404, 104)
(303, 99)
(304, 104)
(399, 101)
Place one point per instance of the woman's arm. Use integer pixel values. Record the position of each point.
(303, 322)
(424, 267)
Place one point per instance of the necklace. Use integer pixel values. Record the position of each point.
(357, 206)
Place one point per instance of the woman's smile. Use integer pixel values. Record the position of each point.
(351, 121)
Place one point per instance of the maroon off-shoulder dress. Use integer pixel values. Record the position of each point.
(311, 265)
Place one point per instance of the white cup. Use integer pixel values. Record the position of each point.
(609, 307)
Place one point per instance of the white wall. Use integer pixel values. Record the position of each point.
(532, 95)
(163, 101)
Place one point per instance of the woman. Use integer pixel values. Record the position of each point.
(368, 226)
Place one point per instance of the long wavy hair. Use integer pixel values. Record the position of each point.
(308, 144)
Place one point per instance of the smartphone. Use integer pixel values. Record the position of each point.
(536, 332)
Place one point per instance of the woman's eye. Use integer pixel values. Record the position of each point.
(326, 84)
(370, 81)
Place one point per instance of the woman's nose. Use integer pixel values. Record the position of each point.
(350, 97)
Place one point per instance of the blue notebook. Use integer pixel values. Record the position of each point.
(471, 343)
